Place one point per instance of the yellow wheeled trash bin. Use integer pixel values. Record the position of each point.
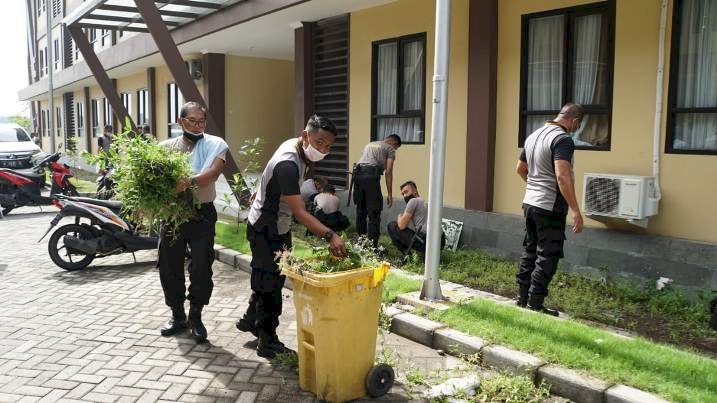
(337, 324)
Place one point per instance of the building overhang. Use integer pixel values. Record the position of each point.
(123, 15)
(252, 28)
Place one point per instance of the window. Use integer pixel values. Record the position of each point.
(76, 55)
(58, 121)
(92, 37)
(95, 111)
(142, 98)
(567, 57)
(80, 114)
(692, 119)
(56, 7)
(56, 54)
(127, 102)
(174, 104)
(41, 66)
(399, 88)
(105, 39)
(106, 112)
(44, 122)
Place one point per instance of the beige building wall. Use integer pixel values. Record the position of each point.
(81, 139)
(259, 102)
(401, 18)
(162, 78)
(130, 84)
(688, 189)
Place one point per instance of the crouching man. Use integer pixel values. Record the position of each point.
(411, 221)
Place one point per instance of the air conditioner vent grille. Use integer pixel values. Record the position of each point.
(602, 195)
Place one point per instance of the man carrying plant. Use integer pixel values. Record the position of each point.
(207, 155)
(377, 157)
(278, 198)
(546, 166)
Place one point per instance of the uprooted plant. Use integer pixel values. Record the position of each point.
(146, 175)
(359, 254)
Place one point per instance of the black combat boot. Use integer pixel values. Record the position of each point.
(535, 303)
(269, 346)
(247, 325)
(522, 299)
(199, 332)
(177, 323)
(248, 322)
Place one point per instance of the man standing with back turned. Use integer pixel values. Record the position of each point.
(377, 157)
(546, 165)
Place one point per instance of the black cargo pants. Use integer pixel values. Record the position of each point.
(199, 235)
(544, 238)
(265, 303)
(369, 201)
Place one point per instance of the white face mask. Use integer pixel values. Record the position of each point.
(313, 154)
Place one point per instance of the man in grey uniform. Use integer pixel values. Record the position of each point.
(546, 165)
(377, 156)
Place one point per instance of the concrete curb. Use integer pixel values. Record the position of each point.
(563, 381)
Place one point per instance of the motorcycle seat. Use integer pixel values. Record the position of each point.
(27, 175)
(110, 204)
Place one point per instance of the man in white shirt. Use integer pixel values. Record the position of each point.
(327, 209)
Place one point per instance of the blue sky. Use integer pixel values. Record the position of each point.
(13, 69)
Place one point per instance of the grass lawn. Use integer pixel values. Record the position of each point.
(665, 316)
(396, 285)
(674, 374)
(83, 186)
(233, 236)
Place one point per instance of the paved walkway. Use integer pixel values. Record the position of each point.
(93, 335)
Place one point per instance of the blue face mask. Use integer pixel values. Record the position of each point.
(193, 137)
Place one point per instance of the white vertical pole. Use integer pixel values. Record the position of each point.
(431, 287)
(49, 59)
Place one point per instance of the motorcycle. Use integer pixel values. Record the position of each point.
(25, 189)
(99, 230)
(105, 185)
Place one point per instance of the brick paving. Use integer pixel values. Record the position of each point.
(93, 335)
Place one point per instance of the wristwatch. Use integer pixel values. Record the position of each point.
(193, 181)
(328, 235)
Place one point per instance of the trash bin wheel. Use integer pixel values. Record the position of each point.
(379, 380)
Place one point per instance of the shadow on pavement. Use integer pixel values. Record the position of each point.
(97, 273)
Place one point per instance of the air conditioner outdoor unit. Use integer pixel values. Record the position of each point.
(627, 197)
(195, 68)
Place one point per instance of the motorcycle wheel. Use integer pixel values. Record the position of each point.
(57, 248)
